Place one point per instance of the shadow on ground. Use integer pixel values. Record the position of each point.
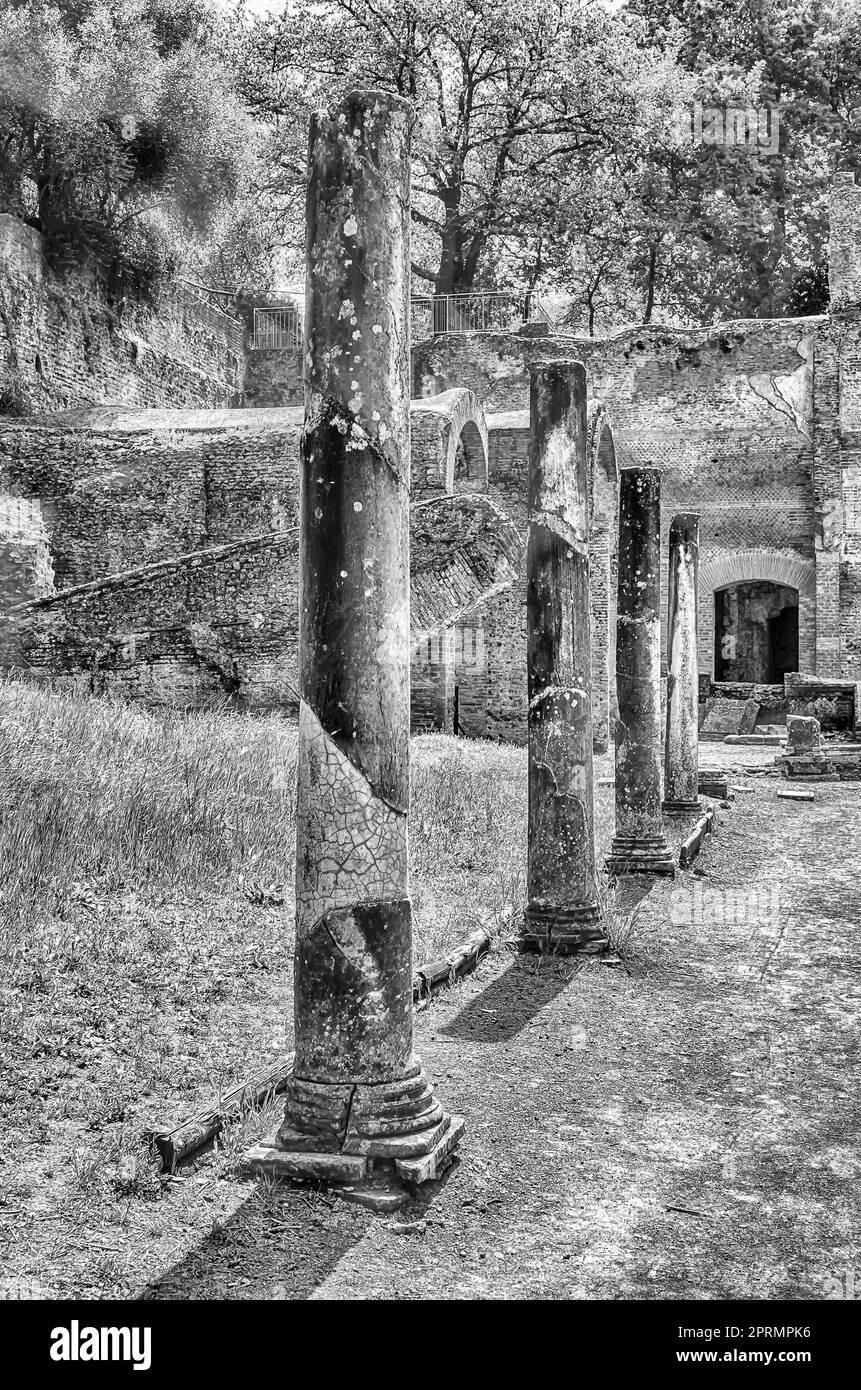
(283, 1243)
(280, 1244)
(513, 999)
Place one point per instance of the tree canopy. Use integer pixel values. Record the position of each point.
(171, 136)
(121, 135)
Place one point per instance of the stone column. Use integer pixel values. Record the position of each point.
(562, 913)
(681, 793)
(359, 1107)
(639, 845)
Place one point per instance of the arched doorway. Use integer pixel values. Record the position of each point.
(757, 615)
(470, 460)
(756, 632)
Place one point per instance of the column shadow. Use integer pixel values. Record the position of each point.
(512, 999)
(282, 1243)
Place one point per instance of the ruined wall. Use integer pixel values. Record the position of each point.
(725, 413)
(67, 341)
(273, 377)
(838, 435)
(138, 532)
(153, 552)
(204, 628)
(119, 489)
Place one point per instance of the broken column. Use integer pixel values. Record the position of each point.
(359, 1108)
(682, 729)
(562, 913)
(639, 845)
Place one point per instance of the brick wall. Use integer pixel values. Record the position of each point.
(729, 415)
(219, 624)
(118, 489)
(154, 551)
(273, 377)
(66, 341)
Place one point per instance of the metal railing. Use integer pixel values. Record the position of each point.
(475, 313)
(278, 327)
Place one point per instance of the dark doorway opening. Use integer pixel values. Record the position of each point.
(756, 632)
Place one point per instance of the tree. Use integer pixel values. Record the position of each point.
(512, 97)
(760, 221)
(120, 137)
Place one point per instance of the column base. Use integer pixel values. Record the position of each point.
(382, 1184)
(562, 931)
(630, 854)
(681, 808)
(366, 1141)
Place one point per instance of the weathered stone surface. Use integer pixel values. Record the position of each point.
(722, 716)
(749, 716)
(424, 1169)
(802, 733)
(272, 1158)
(714, 784)
(755, 740)
(561, 883)
(692, 844)
(639, 845)
(681, 738)
(355, 1079)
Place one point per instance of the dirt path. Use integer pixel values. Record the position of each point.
(682, 1123)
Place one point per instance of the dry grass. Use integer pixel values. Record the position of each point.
(146, 935)
(146, 944)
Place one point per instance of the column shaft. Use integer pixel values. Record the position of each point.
(639, 845)
(681, 793)
(356, 1090)
(562, 912)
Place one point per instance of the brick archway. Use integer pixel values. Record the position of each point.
(744, 566)
(449, 443)
(603, 554)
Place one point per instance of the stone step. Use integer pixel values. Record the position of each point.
(756, 740)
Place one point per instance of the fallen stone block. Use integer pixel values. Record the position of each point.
(722, 717)
(802, 733)
(715, 784)
(277, 1162)
(797, 796)
(690, 847)
(749, 716)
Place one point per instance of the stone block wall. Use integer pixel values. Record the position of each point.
(120, 489)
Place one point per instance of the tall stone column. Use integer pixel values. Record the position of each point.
(639, 845)
(681, 793)
(359, 1108)
(562, 913)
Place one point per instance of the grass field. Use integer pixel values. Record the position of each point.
(146, 926)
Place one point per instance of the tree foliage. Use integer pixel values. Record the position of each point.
(517, 100)
(121, 138)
